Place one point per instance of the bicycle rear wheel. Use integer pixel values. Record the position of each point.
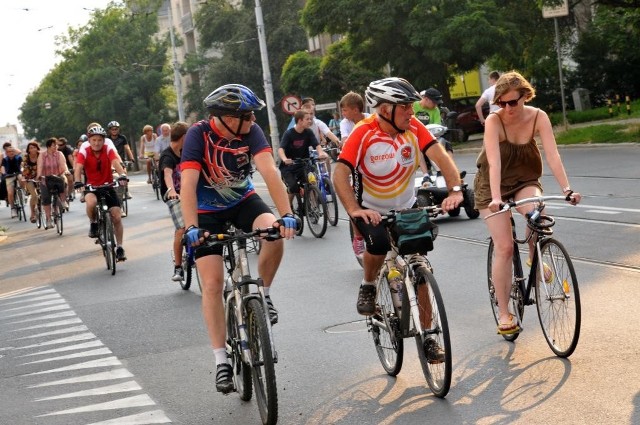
(110, 243)
(517, 298)
(297, 207)
(331, 199)
(384, 326)
(241, 370)
(316, 211)
(558, 301)
(262, 369)
(433, 320)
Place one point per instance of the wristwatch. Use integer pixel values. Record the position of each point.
(456, 189)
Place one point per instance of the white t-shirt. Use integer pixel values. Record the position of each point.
(488, 96)
(346, 126)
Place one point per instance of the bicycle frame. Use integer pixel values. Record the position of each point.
(409, 302)
(237, 264)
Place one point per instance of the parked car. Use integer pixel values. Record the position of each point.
(467, 121)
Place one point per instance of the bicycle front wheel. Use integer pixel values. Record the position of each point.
(331, 199)
(316, 211)
(40, 216)
(241, 370)
(156, 184)
(384, 325)
(110, 242)
(57, 216)
(187, 263)
(558, 299)
(124, 201)
(19, 204)
(434, 344)
(262, 369)
(516, 299)
(298, 209)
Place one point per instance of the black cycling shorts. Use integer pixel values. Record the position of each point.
(241, 216)
(110, 196)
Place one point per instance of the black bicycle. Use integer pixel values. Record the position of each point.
(408, 301)
(123, 191)
(552, 284)
(106, 233)
(41, 218)
(250, 345)
(309, 202)
(155, 178)
(57, 208)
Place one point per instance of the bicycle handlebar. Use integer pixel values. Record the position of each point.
(269, 233)
(91, 188)
(535, 199)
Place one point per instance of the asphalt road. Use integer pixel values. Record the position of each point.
(79, 346)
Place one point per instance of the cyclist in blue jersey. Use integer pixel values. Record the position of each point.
(216, 188)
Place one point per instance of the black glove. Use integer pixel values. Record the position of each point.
(78, 185)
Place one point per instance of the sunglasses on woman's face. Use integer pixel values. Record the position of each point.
(513, 103)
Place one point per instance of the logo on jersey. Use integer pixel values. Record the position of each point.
(405, 155)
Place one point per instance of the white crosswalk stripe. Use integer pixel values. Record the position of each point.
(44, 331)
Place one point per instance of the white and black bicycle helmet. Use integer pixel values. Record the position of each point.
(97, 130)
(391, 90)
(113, 124)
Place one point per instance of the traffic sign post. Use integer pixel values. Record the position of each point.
(290, 104)
(556, 12)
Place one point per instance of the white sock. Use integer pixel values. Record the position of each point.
(220, 355)
(266, 290)
(364, 282)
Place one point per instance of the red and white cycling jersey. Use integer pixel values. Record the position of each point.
(383, 167)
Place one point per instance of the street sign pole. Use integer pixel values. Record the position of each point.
(555, 12)
(564, 106)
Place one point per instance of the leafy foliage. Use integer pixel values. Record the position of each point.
(230, 52)
(97, 81)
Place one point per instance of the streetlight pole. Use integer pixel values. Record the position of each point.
(177, 81)
(266, 75)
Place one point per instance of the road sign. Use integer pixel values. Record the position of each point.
(290, 104)
(556, 11)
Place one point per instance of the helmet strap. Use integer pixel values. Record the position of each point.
(224, 124)
(392, 121)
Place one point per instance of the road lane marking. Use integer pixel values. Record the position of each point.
(110, 375)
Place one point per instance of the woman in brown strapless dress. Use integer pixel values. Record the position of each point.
(510, 167)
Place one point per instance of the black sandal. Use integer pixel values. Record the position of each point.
(224, 378)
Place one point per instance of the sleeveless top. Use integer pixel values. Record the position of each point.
(29, 169)
(149, 145)
(51, 164)
(520, 166)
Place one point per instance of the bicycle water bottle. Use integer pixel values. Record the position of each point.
(311, 178)
(394, 277)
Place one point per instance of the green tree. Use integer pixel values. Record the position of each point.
(231, 32)
(608, 63)
(112, 68)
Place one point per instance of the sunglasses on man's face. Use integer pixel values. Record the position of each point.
(513, 103)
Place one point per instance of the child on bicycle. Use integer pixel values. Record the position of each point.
(295, 144)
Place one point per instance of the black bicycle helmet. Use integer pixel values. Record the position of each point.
(113, 124)
(391, 90)
(97, 130)
(232, 99)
